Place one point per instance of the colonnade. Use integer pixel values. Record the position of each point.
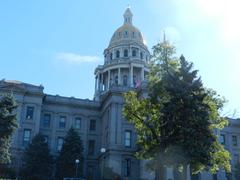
(104, 79)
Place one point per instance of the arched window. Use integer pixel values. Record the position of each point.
(141, 55)
(125, 80)
(125, 53)
(117, 54)
(111, 56)
(134, 53)
(116, 80)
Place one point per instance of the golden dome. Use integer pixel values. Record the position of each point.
(127, 32)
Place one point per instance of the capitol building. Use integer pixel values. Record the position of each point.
(100, 122)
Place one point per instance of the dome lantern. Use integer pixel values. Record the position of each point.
(128, 16)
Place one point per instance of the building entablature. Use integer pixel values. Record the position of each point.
(71, 101)
(9, 86)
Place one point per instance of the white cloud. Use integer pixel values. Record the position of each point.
(76, 58)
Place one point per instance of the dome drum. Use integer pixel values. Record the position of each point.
(125, 60)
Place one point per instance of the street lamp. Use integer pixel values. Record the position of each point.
(77, 162)
(102, 150)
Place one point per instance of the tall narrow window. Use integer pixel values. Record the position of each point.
(91, 147)
(29, 113)
(125, 53)
(59, 143)
(234, 140)
(128, 135)
(141, 55)
(125, 80)
(78, 123)
(127, 167)
(62, 122)
(26, 136)
(117, 54)
(134, 53)
(222, 139)
(92, 125)
(46, 120)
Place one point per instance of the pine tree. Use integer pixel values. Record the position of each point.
(8, 124)
(72, 150)
(175, 122)
(37, 160)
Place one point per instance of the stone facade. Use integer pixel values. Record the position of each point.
(99, 122)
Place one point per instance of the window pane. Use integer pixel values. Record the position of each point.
(127, 138)
(46, 120)
(222, 139)
(92, 125)
(125, 53)
(26, 136)
(234, 140)
(29, 113)
(78, 123)
(59, 143)
(127, 167)
(62, 122)
(134, 53)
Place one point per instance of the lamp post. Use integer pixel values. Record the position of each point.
(103, 150)
(77, 162)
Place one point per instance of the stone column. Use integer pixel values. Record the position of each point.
(98, 81)
(101, 83)
(131, 75)
(95, 83)
(108, 83)
(119, 76)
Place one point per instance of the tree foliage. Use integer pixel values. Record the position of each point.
(37, 160)
(175, 123)
(72, 149)
(8, 124)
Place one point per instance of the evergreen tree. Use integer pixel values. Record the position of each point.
(72, 150)
(37, 160)
(175, 123)
(8, 124)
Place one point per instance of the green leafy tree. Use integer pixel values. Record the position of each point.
(175, 123)
(72, 149)
(37, 160)
(8, 124)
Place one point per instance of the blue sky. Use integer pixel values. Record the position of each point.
(58, 43)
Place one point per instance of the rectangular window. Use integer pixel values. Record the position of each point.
(59, 144)
(128, 135)
(127, 167)
(91, 147)
(29, 113)
(62, 122)
(92, 125)
(46, 120)
(26, 136)
(222, 139)
(234, 140)
(78, 123)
